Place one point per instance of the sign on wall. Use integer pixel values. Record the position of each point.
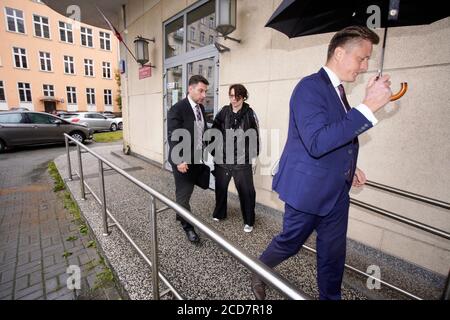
(145, 72)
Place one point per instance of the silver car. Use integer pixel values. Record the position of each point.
(18, 128)
(93, 120)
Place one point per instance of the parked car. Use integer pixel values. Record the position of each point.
(93, 120)
(18, 128)
(119, 123)
(108, 114)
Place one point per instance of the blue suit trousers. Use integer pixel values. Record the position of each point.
(330, 243)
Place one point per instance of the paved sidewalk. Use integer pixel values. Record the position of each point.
(205, 271)
(39, 238)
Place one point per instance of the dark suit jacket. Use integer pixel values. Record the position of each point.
(321, 149)
(181, 116)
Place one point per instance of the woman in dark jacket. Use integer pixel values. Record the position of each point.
(239, 126)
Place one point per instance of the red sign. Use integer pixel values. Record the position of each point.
(145, 72)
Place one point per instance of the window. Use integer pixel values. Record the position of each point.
(11, 118)
(106, 66)
(174, 38)
(2, 92)
(105, 41)
(65, 32)
(39, 118)
(14, 20)
(24, 92)
(20, 57)
(108, 97)
(90, 95)
(46, 64)
(194, 23)
(200, 69)
(41, 27)
(88, 67)
(71, 95)
(86, 37)
(69, 67)
(202, 37)
(210, 69)
(49, 90)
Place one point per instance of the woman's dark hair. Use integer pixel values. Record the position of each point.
(239, 91)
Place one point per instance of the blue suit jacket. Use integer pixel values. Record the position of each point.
(321, 149)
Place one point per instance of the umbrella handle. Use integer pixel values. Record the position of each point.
(401, 92)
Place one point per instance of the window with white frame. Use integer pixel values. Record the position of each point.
(211, 23)
(41, 26)
(86, 37)
(14, 20)
(105, 41)
(71, 95)
(2, 91)
(90, 96)
(106, 66)
(69, 67)
(24, 91)
(211, 39)
(108, 97)
(20, 58)
(65, 32)
(200, 69)
(49, 90)
(192, 34)
(202, 37)
(45, 61)
(88, 67)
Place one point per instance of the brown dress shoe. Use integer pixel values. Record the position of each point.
(258, 287)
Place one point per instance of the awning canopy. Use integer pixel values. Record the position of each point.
(88, 10)
(51, 99)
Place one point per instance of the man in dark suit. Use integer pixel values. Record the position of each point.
(186, 119)
(318, 164)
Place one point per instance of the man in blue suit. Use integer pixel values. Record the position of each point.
(318, 164)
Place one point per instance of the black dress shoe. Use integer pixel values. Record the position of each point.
(258, 287)
(192, 236)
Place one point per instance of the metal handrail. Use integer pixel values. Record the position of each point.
(394, 216)
(410, 195)
(251, 263)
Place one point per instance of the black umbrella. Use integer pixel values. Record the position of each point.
(297, 18)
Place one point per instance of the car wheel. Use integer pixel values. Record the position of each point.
(113, 127)
(120, 126)
(78, 136)
(2, 146)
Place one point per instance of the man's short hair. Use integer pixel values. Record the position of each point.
(196, 79)
(351, 34)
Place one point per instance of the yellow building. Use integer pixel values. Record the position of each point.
(51, 62)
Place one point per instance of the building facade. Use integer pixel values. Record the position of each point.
(406, 150)
(50, 62)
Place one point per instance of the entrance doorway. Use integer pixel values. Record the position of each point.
(50, 106)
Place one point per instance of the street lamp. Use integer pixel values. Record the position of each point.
(141, 49)
(225, 21)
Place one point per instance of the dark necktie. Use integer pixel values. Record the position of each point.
(198, 113)
(343, 97)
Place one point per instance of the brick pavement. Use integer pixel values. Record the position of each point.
(39, 238)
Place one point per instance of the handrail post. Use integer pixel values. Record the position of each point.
(80, 173)
(69, 165)
(103, 197)
(155, 262)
